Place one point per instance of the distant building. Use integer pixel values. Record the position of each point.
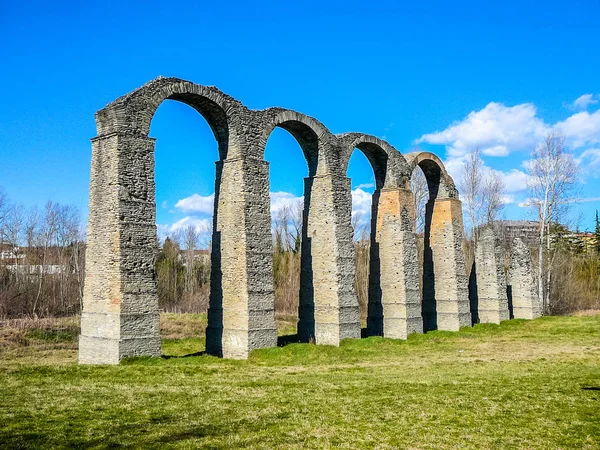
(202, 256)
(10, 252)
(527, 230)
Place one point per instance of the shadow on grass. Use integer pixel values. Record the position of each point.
(189, 355)
(591, 388)
(288, 339)
(135, 436)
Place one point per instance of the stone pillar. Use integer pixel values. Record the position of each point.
(396, 311)
(120, 314)
(452, 309)
(521, 286)
(241, 309)
(490, 279)
(328, 310)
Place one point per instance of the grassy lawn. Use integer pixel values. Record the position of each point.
(522, 384)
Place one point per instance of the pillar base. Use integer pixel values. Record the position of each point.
(492, 311)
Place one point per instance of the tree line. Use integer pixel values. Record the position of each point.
(42, 260)
(43, 249)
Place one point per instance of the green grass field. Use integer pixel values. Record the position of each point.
(518, 385)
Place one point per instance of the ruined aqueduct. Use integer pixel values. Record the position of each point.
(121, 317)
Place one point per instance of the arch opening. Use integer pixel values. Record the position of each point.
(432, 174)
(367, 246)
(367, 175)
(185, 181)
(290, 203)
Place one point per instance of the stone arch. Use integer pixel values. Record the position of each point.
(314, 138)
(120, 316)
(445, 302)
(439, 182)
(388, 164)
(133, 112)
(391, 203)
(328, 308)
(120, 313)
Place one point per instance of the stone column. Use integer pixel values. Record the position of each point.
(400, 296)
(120, 315)
(328, 310)
(521, 286)
(490, 279)
(452, 309)
(241, 310)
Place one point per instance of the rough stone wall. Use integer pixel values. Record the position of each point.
(120, 314)
(401, 293)
(328, 310)
(452, 309)
(241, 310)
(521, 286)
(490, 278)
(394, 267)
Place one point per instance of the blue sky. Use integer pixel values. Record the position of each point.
(448, 76)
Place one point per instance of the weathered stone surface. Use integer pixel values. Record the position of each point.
(241, 313)
(451, 308)
(490, 279)
(401, 295)
(392, 204)
(521, 286)
(120, 253)
(120, 310)
(328, 310)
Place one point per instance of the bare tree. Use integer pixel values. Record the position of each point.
(482, 191)
(4, 209)
(552, 178)
(190, 242)
(418, 185)
(493, 196)
(361, 228)
(471, 185)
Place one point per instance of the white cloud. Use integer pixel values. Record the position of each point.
(589, 162)
(197, 204)
(584, 101)
(581, 129)
(361, 204)
(366, 186)
(164, 204)
(200, 224)
(279, 200)
(508, 199)
(514, 180)
(203, 227)
(497, 130)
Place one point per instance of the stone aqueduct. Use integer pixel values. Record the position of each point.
(120, 316)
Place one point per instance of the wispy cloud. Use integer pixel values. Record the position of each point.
(365, 186)
(497, 130)
(584, 101)
(196, 204)
(280, 200)
(589, 162)
(581, 129)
